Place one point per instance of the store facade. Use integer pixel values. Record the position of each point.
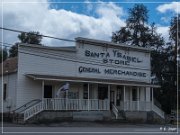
(102, 76)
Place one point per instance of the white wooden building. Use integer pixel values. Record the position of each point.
(102, 76)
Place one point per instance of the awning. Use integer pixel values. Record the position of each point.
(89, 80)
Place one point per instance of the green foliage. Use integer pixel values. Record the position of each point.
(138, 17)
(174, 31)
(3, 54)
(27, 38)
(121, 36)
(137, 32)
(13, 51)
(164, 67)
(163, 59)
(30, 38)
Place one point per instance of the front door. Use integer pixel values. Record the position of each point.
(112, 98)
(47, 91)
(48, 95)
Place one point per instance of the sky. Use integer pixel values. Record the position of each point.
(84, 18)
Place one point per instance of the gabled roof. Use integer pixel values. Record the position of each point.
(108, 44)
(9, 66)
(61, 48)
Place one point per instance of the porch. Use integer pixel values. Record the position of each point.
(75, 104)
(63, 104)
(92, 96)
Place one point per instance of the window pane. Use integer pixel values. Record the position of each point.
(134, 94)
(4, 91)
(85, 91)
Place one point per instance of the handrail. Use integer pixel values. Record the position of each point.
(158, 111)
(115, 110)
(30, 112)
(156, 102)
(27, 105)
(136, 105)
(66, 104)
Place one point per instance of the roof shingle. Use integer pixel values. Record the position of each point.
(9, 66)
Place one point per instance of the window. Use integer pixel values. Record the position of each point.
(118, 95)
(102, 92)
(47, 91)
(85, 91)
(134, 94)
(4, 91)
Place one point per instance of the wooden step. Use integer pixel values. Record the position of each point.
(18, 118)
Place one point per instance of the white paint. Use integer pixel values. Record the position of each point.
(46, 61)
(143, 56)
(138, 96)
(88, 96)
(148, 94)
(143, 66)
(142, 94)
(42, 89)
(10, 103)
(109, 90)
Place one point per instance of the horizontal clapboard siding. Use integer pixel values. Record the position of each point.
(11, 81)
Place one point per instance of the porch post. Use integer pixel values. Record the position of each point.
(152, 97)
(88, 96)
(138, 97)
(124, 97)
(66, 99)
(109, 88)
(131, 103)
(42, 89)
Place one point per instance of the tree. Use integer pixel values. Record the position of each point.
(154, 40)
(136, 30)
(121, 36)
(27, 38)
(3, 54)
(30, 38)
(136, 22)
(174, 35)
(138, 33)
(168, 73)
(13, 51)
(174, 31)
(173, 52)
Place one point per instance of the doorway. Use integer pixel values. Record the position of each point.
(119, 95)
(102, 92)
(112, 99)
(47, 91)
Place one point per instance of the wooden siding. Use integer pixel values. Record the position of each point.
(30, 61)
(11, 81)
(34, 60)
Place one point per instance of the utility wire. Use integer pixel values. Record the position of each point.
(19, 31)
(54, 57)
(7, 44)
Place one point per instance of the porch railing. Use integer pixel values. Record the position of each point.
(30, 112)
(158, 111)
(115, 111)
(136, 106)
(66, 104)
(75, 104)
(141, 106)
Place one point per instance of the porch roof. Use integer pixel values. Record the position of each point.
(89, 80)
